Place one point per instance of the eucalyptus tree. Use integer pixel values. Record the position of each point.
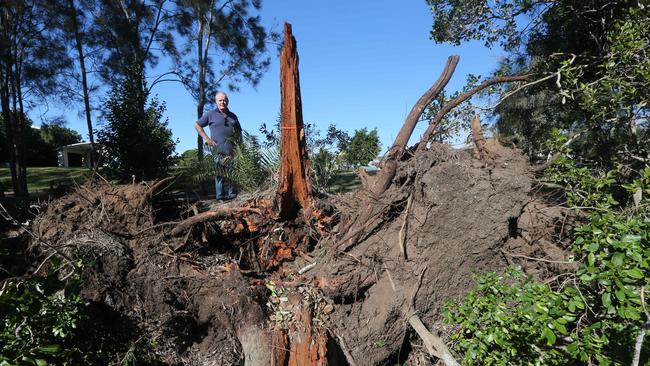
(32, 56)
(225, 43)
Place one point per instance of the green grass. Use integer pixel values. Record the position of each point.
(45, 178)
(346, 181)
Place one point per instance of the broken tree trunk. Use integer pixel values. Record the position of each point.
(479, 139)
(294, 191)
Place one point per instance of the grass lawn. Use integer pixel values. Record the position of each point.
(44, 178)
(346, 181)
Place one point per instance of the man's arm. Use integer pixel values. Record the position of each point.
(205, 137)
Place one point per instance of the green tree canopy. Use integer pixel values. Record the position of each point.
(137, 142)
(362, 148)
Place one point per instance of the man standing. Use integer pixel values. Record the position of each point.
(224, 126)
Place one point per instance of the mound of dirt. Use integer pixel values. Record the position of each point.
(232, 285)
(445, 217)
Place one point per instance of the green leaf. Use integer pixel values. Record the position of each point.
(606, 298)
(560, 327)
(51, 349)
(549, 335)
(635, 273)
(618, 259)
(41, 362)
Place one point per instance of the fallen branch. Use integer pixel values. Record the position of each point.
(211, 215)
(307, 268)
(479, 138)
(644, 327)
(434, 345)
(364, 178)
(435, 121)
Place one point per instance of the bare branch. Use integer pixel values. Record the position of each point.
(426, 136)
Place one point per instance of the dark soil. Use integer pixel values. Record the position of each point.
(218, 292)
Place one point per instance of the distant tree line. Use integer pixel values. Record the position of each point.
(70, 52)
(42, 142)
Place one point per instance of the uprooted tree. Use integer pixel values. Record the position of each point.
(287, 277)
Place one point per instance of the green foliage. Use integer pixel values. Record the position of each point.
(456, 21)
(617, 249)
(362, 148)
(40, 317)
(324, 166)
(512, 319)
(616, 102)
(135, 136)
(251, 168)
(596, 315)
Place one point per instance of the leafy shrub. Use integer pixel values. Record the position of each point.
(251, 168)
(40, 316)
(599, 312)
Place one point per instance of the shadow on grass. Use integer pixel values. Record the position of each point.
(346, 181)
(46, 178)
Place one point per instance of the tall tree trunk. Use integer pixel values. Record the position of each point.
(294, 190)
(200, 105)
(19, 170)
(8, 123)
(84, 81)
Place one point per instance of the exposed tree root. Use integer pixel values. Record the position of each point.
(219, 213)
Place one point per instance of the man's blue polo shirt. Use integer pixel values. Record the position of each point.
(222, 126)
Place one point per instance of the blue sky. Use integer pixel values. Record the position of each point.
(362, 64)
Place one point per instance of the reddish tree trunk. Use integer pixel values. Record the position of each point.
(294, 190)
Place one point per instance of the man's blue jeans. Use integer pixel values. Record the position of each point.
(219, 184)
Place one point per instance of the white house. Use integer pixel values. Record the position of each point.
(76, 154)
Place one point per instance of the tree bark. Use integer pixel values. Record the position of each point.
(294, 190)
(84, 81)
(19, 170)
(428, 134)
(397, 150)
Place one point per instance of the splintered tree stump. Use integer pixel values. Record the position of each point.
(294, 191)
(302, 344)
(479, 138)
